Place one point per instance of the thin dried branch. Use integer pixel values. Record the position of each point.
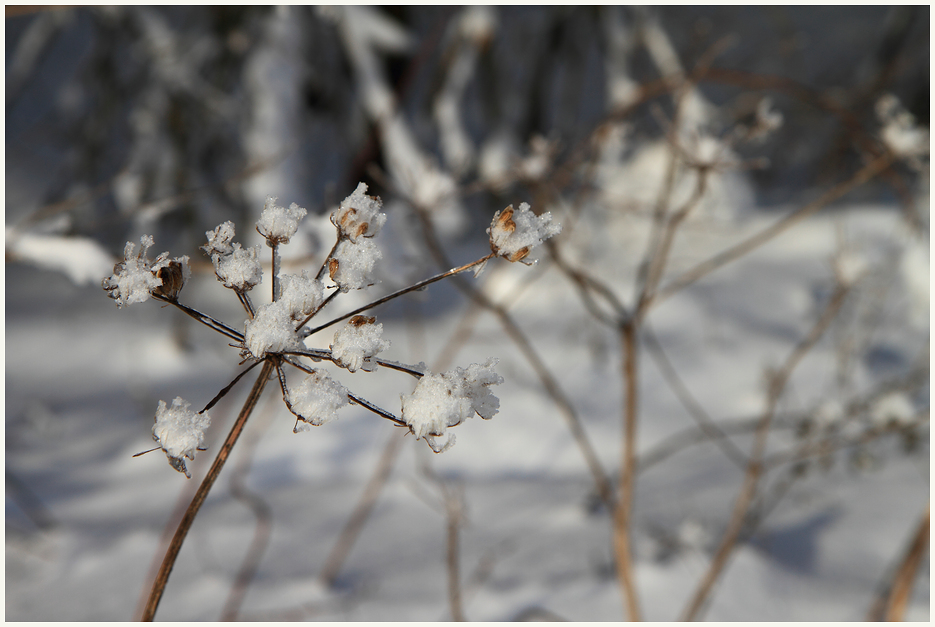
(733, 253)
(175, 546)
(892, 605)
(755, 467)
(622, 541)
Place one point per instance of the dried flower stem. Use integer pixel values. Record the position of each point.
(175, 546)
(405, 290)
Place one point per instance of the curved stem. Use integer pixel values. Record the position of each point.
(176, 545)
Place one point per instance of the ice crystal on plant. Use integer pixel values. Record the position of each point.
(513, 233)
(179, 431)
(240, 270)
(301, 294)
(356, 343)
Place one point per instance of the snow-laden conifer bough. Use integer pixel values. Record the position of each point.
(279, 332)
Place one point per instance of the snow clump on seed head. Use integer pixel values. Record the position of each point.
(179, 431)
(272, 330)
(278, 224)
(317, 400)
(301, 294)
(137, 278)
(514, 233)
(235, 266)
(445, 400)
(351, 264)
(359, 215)
(900, 132)
(357, 342)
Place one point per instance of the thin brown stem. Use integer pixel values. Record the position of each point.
(405, 290)
(862, 176)
(755, 467)
(622, 544)
(175, 546)
(892, 606)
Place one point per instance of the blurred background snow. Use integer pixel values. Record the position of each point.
(168, 121)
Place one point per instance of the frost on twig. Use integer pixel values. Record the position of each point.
(137, 278)
(179, 431)
(513, 234)
(440, 401)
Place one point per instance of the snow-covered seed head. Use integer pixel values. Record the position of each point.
(317, 400)
(137, 278)
(440, 401)
(219, 240)
(278, 224)
(357, 342)
(352, 263)
(179, 431)
(900, 132)
(359, 215)
(514, 233)
(272, 330)
(240, 270)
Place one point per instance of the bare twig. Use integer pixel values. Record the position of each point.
(176, 545)
(755, 467)
(624, 502)
(892, 605)
(363, 509)
(862, 176)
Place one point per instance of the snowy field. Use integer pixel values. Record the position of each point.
(508, 524)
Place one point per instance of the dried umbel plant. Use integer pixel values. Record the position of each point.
(276, 334)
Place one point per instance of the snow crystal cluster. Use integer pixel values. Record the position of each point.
(179, 431)
(440, 401)
(137, 278)
(514, 233)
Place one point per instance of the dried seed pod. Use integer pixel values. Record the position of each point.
(359, 321)
(173, 278)
(332, 267)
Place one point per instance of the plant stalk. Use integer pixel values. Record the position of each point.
(175, 546)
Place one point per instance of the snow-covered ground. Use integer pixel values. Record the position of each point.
(86, 521)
